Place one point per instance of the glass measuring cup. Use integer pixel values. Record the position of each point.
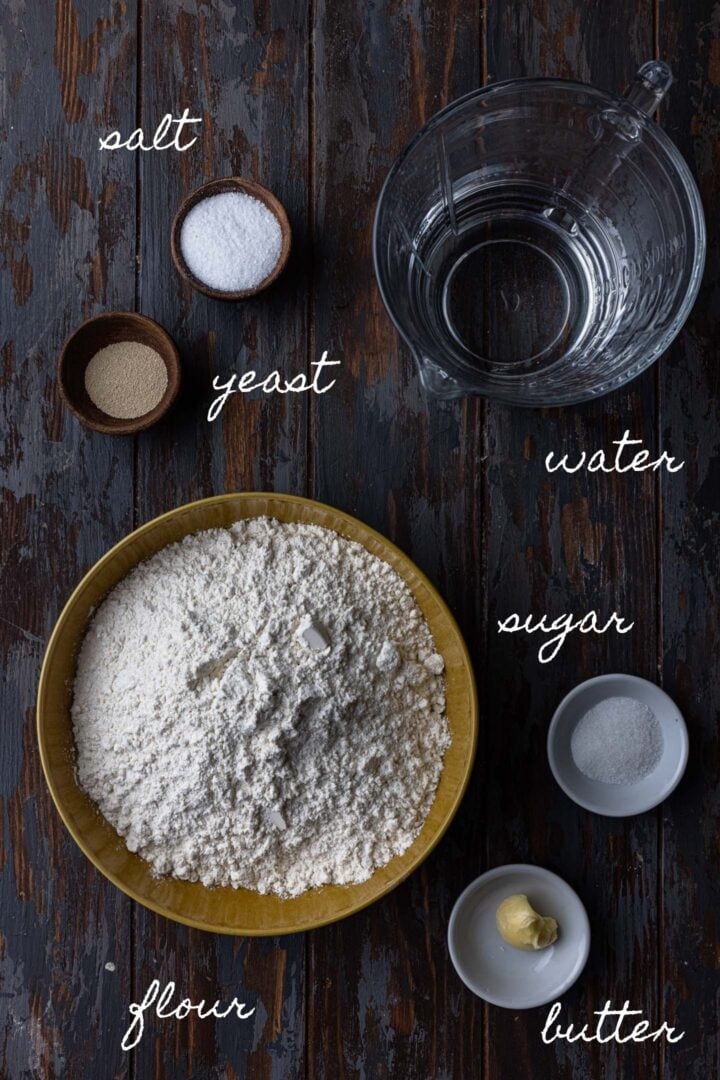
(539, 241)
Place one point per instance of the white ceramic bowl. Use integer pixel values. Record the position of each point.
(496, 971)
(617, 800)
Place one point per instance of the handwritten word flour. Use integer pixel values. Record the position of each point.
(274, 383)
(597, 462)
(560, 628)
(263, 707)
(164, 1011)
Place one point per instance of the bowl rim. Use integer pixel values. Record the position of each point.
(42, 695)
(533, 870)
(217, 187)
(119, 425)
(662, 793)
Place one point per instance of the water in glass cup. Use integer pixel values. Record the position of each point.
(540, 241)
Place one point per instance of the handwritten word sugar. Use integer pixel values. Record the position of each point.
(560, 628)
(164, 1011)
(640, 1032)
(274, 383)
(597, 462)
(161, 140)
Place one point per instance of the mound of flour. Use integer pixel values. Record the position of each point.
(261, 706)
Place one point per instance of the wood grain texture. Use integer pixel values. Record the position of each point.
(560, 543)
(383, 998)
(244, 70)
(690, 426)
(67, 238)
(314, 99)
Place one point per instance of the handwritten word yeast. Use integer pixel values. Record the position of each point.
(274, 383)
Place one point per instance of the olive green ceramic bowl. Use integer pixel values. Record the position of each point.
(227, 910)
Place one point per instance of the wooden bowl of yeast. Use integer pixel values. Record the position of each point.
(97, 333)
(228, 910)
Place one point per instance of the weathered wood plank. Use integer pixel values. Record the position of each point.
(556, 544)
(690, 424)
(244, 69)
(67, 235)
(379, 997)
(383, 998)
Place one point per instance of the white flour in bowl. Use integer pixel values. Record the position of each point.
(262, 706)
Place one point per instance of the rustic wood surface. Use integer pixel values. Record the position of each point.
(315, 99)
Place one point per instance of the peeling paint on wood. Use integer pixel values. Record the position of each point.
(315, 100)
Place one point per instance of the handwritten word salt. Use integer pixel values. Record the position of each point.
(560, 628)
(272, 383)
(136, 141)
(640, 1033)
(163, 1011)
(597, 462)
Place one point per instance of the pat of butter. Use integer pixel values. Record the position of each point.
(521, 926)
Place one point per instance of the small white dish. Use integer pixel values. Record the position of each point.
(618, 800)
(499, 973)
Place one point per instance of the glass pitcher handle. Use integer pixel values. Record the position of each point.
(650, 85)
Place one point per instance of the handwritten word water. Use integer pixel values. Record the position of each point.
(560, 628)
(274, 383)
(640, 461)
(163, 1011)
(161, 140)
(640, 1032)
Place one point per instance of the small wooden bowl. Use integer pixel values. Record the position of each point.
(91, 336)
(217, 187)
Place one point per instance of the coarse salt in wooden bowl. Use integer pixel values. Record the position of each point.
(97, 333)
(227, 910)
(219, 187)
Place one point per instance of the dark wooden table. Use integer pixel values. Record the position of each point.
(315, 100)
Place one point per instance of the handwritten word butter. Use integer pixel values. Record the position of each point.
(612, 1031)
(624, 460)
(164, 1011)
(161, 140)
(274, 383)
(560, 628)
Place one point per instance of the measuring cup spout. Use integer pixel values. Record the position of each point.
(435, 379)
(650, 85)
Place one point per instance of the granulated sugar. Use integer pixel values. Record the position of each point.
(618, 741)
(231, 241)
(262, 706)
(126, 379)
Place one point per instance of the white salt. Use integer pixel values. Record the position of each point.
(618, 741)
(231, 241)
